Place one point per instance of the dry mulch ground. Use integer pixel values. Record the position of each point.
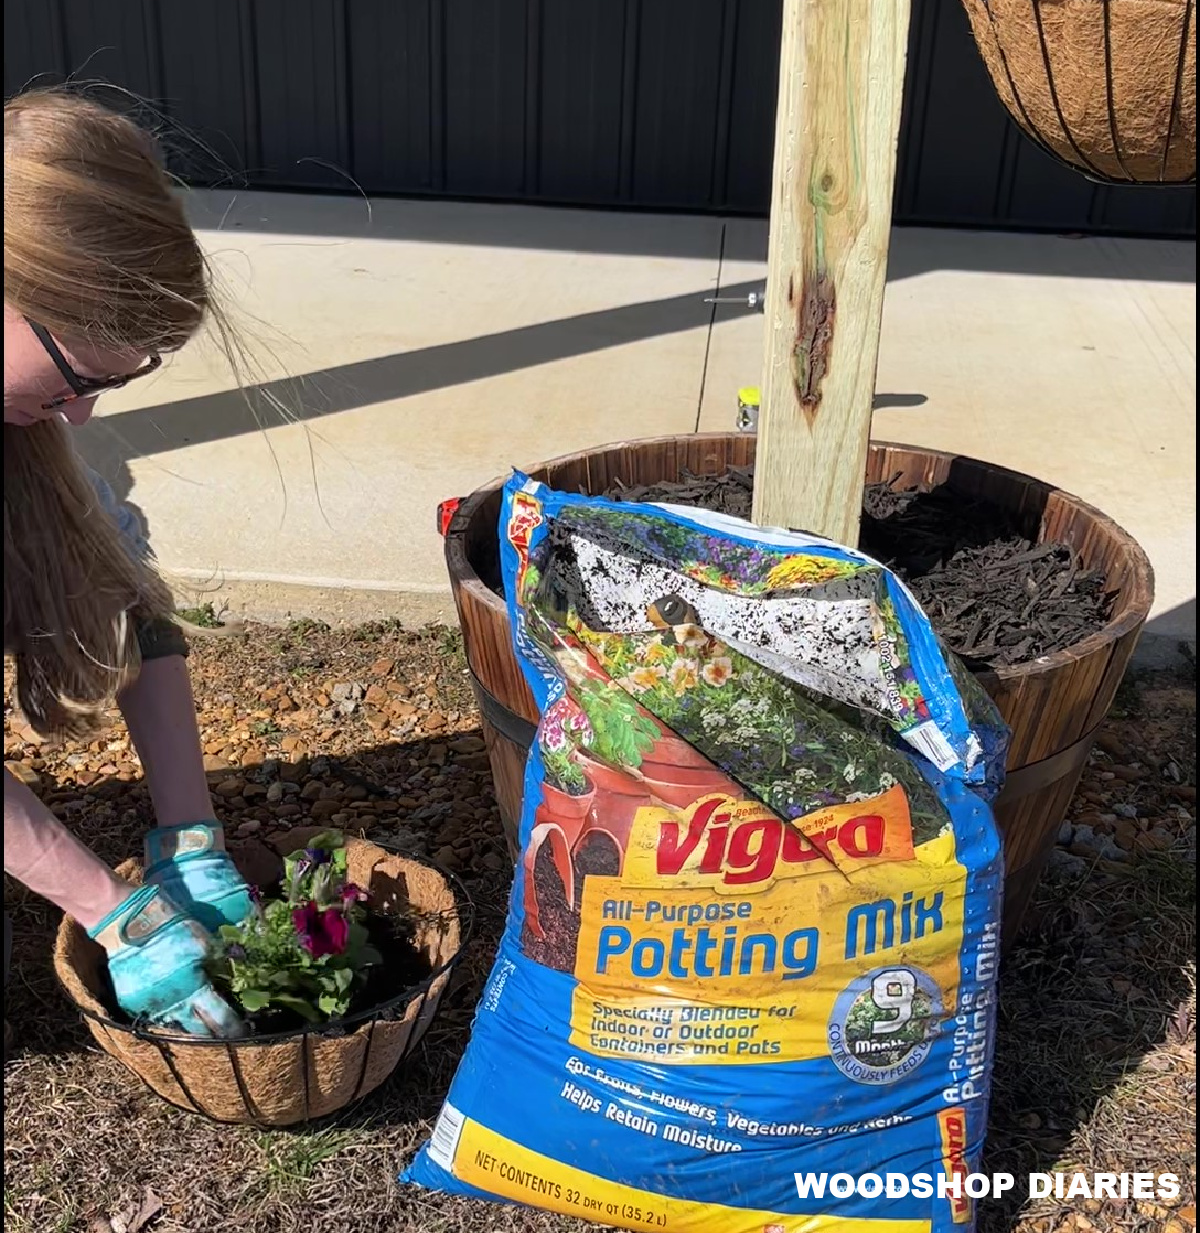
(373, 729)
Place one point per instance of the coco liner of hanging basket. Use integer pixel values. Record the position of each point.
(1106, 86)
(308, 1071)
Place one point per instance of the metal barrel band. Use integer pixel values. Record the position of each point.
(508, 724)
(1027, 780)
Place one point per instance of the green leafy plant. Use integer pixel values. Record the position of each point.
(564, 773)
(304, 950)
(622, 734)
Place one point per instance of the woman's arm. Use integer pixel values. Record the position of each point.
(44, 856)
(160, 713)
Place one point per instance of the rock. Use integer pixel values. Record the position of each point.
(1125, 811)
(466, 745)
(377, 696)
(287, 811)
(213, 763)
(1066, 833)
(1156, 840)
(1127, 834)
(322, 811)
(320, 766)
(435, 721)
(312, 790)
(383, 667)
(1111, 743)
(1084, 842)
(1109, 851)
(448, 857)
(275, 793)
(230, 787)
(25, 773)
(254, 792)
(290, 773)
(249, 827)
(1066, 863)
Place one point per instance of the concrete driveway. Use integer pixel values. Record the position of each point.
(404, 352)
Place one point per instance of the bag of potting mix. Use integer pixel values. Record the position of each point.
(754, 930)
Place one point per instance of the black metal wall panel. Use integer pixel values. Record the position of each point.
(627, 103)
(678, 76)
(747, 186)
(303, 99)
(209, 86)
(389, 50)
(581, 103)
(485, 96)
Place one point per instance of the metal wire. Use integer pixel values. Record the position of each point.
(396, 1007)
(1085, 165)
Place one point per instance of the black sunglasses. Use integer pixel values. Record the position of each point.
(83, 387)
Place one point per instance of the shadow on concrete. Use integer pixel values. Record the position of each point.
(320, 218)
(108, 443)
(1169, 638)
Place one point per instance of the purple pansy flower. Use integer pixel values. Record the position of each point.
(323, 931)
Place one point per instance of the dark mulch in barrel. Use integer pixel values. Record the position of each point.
(995, 595)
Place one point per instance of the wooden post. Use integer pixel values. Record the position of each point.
(841, 81)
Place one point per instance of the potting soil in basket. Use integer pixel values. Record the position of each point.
(754, 930)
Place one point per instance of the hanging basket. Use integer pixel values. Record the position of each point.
(1105, 86)
(285, 1078)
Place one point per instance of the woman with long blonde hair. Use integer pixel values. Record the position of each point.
(102, 277)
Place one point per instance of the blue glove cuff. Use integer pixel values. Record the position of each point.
(136, 921)
(171, 844)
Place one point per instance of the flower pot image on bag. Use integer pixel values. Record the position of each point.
(551, 931)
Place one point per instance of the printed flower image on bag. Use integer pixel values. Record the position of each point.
(754, 929)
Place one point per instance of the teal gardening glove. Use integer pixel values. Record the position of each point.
(156, 959)
(193, 869)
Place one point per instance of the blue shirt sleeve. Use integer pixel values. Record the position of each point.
(158, 637)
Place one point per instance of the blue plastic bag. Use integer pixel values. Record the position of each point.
(755, 926)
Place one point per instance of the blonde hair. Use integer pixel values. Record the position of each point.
(97, 249)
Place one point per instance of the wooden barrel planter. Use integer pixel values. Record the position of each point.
(1053, 705)
(1105, 86)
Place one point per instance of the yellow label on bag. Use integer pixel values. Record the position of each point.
(724, 914)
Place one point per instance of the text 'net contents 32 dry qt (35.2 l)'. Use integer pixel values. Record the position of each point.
(755, 924)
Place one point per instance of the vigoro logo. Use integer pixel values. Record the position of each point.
(953, 1124)
(741, 844)
(526, 516)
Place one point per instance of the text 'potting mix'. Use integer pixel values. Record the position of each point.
(755, 918)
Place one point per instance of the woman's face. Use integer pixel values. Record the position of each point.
(32, 379)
